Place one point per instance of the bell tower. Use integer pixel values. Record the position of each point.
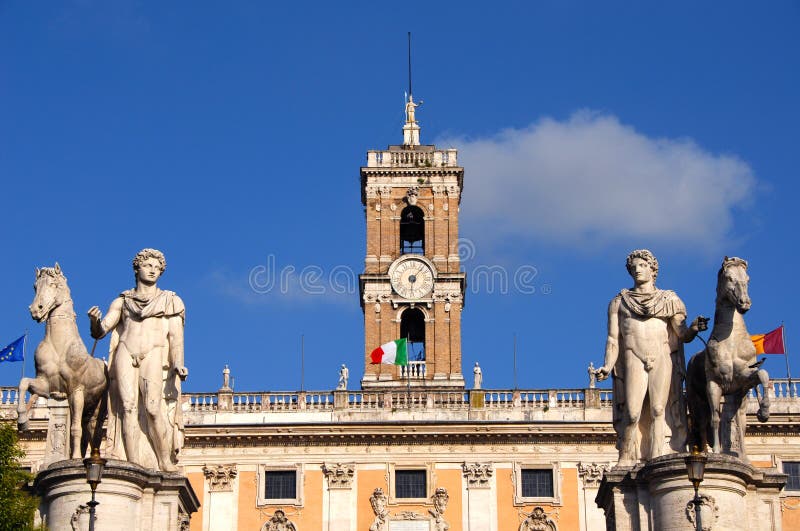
(412, 286)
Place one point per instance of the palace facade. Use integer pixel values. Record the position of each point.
(414, 449)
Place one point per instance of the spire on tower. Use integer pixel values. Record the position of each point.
(411, 127)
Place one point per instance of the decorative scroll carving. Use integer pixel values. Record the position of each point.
(538, 521)
(183, 521)
(591, 473)
(339, 475)
(708, 507)
(439, 499)
(278, 522)
(220, 477)
(378, 502)
(75, 521)
(477, 474)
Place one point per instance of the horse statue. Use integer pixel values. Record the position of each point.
(726, 368)
(64, 369)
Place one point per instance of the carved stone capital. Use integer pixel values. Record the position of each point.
(477, 474)
(591, 473)
(220, 477)
(438, 190)
(339, 475)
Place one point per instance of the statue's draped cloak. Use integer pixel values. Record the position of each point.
(660, 304)
(164, 305)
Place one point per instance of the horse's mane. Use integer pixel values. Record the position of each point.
(51, 272)
(731, 262)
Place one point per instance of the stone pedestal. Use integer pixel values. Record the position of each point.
(57, 447)
(130, 497)
(658, 495)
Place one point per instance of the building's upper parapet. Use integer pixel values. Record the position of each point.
(419, 157)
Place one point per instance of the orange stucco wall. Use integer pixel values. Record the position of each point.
(198, 483)
(791, 514)
(510, 517)
(249, 515)
(309, 516)
(368, 481)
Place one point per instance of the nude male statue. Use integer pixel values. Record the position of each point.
(644, 349)
(145, 367)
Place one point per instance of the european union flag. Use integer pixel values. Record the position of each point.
(13, 352)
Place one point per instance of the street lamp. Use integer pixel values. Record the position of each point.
(696, 468)
(94, 472)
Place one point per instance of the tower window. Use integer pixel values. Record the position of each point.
(412, 327)
(412, 231)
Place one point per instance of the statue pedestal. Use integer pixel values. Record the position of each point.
(658, 495)
(130, 497)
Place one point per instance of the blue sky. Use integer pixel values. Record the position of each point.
(230, 136)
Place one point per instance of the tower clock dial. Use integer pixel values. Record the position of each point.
(412, 278)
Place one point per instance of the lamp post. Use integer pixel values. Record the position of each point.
(696, 467)
(94, 472)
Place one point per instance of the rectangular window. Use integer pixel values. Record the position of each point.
(410, 484)
(280, 484)
(537, 483)
(792, 469)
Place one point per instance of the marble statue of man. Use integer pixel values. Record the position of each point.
(644, 351)
(344, 374)
(478, 374)
(146, 368)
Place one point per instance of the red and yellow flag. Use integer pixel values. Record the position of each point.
(769, 343)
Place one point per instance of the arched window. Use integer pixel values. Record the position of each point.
(412, 231)
(412, 327)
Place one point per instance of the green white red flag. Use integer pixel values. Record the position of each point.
(392, 353)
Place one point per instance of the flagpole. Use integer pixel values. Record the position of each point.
(24, 344)
(515, 361)
(408, 374)
(302, 362)
(786, 356)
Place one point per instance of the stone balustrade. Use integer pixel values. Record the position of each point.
(484, 404)
(412, 158)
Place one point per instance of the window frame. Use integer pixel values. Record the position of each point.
(262, 500)
(794, 461)
(555, 470)
(426, 467)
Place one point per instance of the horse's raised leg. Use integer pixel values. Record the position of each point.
(763, 402)
(75, 429)
(37, 387)
(714, 392)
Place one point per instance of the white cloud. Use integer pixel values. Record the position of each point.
(591, 179)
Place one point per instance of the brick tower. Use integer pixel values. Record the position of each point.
(412, 285)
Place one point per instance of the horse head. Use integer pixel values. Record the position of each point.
(51, 291)
(732, 282)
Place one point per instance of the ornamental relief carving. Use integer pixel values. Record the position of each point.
(378, 502)
(339, 475)
(477, 474)
(708, 508)
(592, 473)
(538, 521)
(220, 477)
(279, 522)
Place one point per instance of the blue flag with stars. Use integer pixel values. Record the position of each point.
(13, 352)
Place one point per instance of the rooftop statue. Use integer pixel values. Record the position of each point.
(145, 368)
(64, 368)
(727, 367)
(411, 109)
(644, 353)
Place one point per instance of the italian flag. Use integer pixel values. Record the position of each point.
(393, 353)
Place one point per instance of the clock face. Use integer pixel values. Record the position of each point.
(412, 278)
